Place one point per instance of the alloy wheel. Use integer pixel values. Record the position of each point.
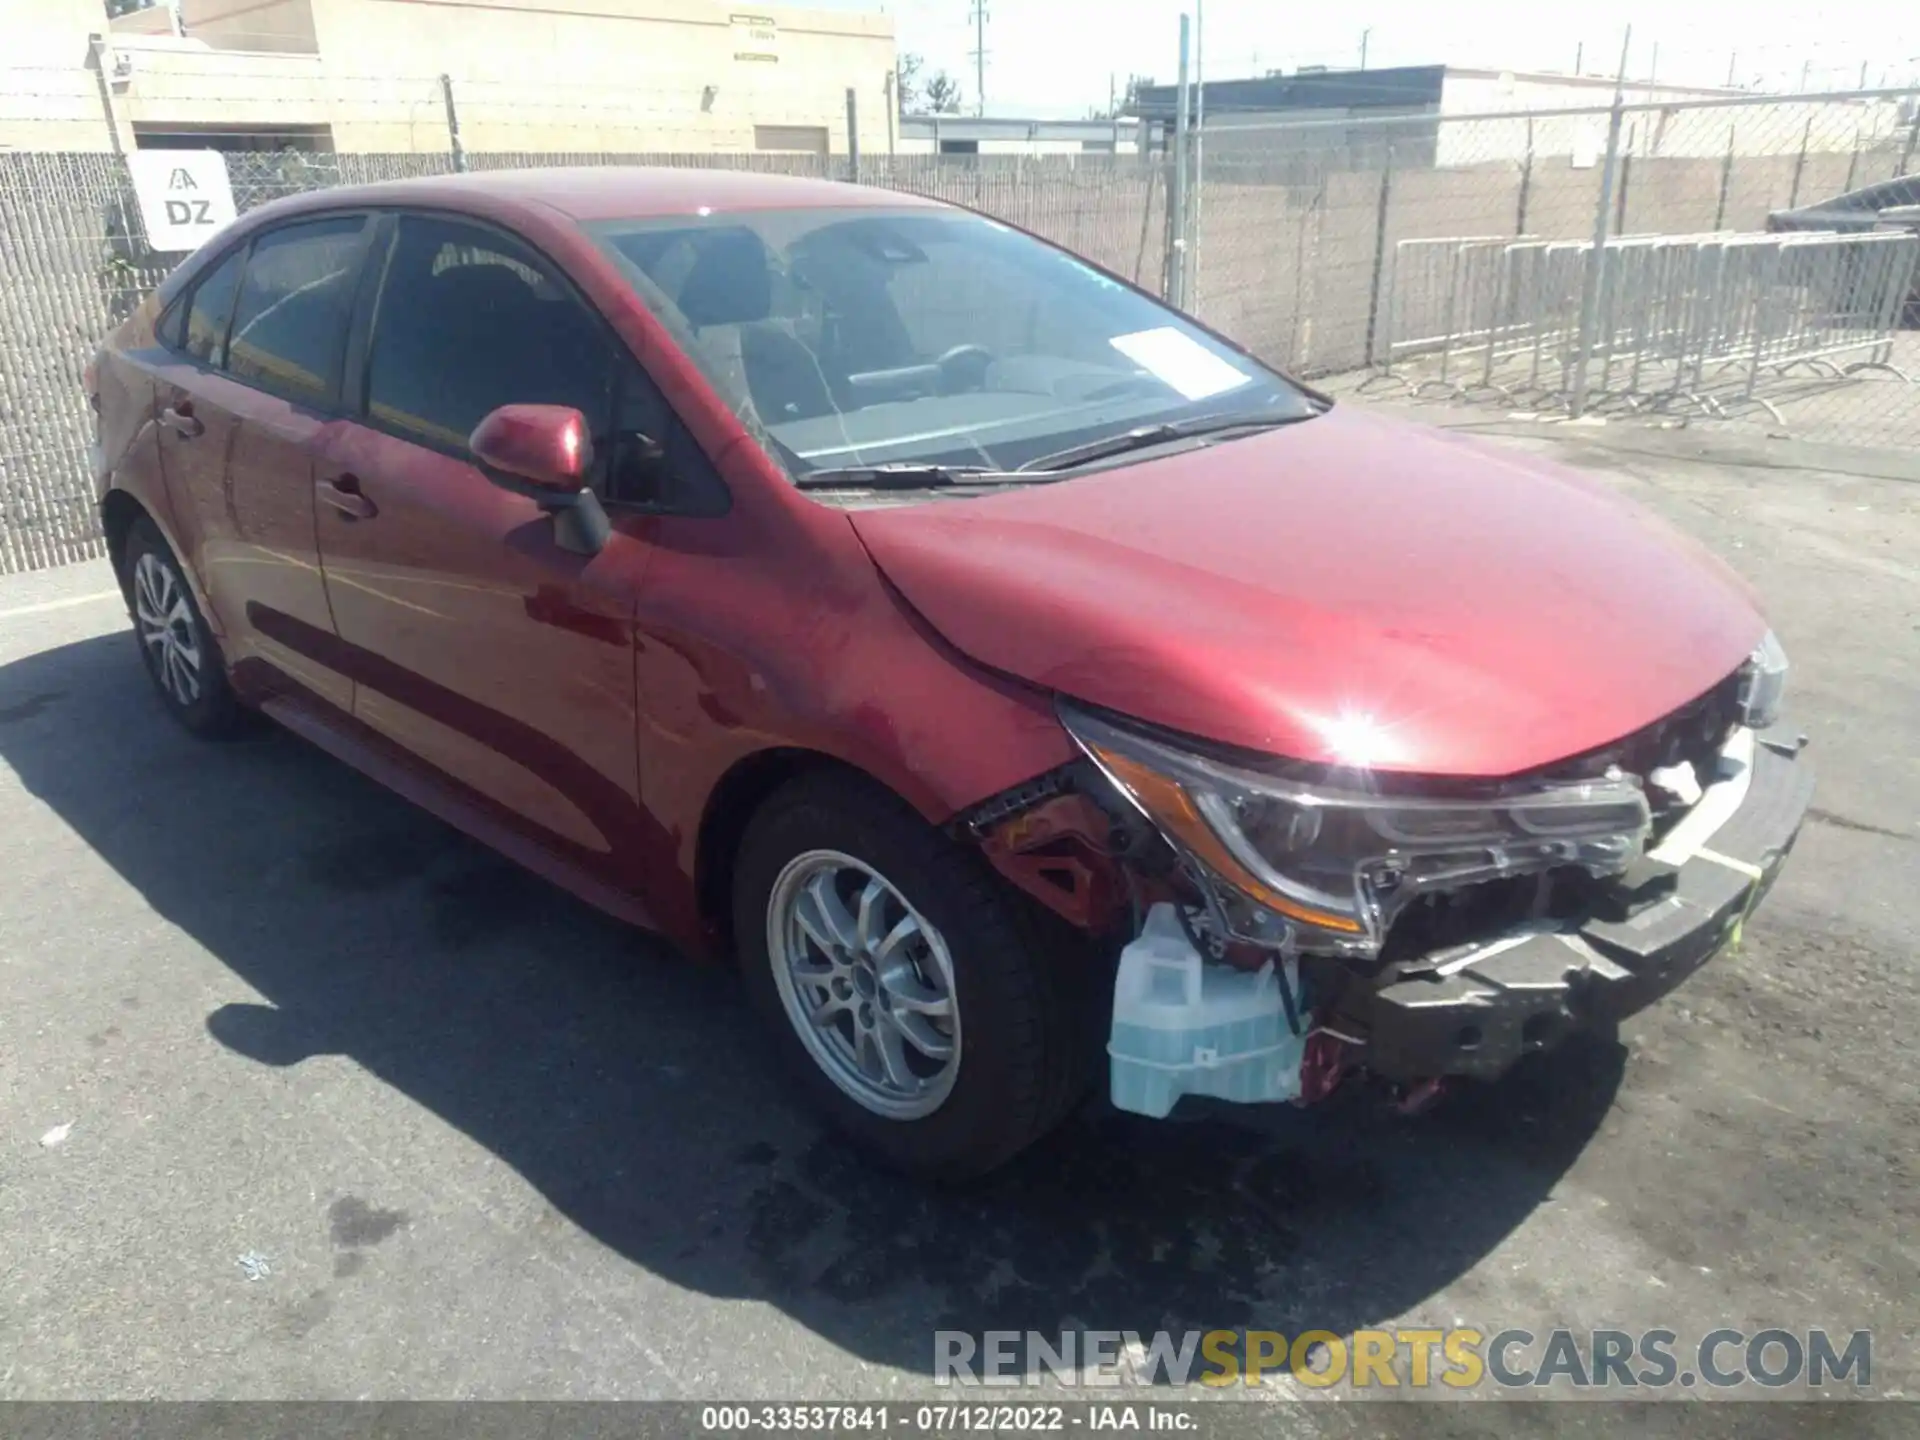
(867, 984)
(165, 620)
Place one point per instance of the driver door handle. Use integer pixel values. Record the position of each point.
(182, 421)
(343, 494)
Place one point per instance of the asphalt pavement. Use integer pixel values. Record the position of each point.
(304, 1095)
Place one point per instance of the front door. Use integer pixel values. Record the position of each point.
(479, 646)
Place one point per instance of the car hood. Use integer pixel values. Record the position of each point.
(1349, 590)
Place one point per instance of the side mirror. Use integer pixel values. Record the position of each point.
(547, 446)
(545, 453)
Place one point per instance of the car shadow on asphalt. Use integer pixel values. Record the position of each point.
(629, 1088)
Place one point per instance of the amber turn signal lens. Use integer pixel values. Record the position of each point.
(1169, 806)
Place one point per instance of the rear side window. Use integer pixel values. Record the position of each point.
(209, 311)
(469, 321)
(291, 318)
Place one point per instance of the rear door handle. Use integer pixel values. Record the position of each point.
(182, 421)
(343, 494)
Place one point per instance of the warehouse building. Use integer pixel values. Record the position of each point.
(543, 76)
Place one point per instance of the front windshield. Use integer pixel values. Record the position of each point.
(848, 338)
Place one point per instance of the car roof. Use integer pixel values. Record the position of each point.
(608, 192)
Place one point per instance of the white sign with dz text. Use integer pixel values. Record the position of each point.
(184, 195)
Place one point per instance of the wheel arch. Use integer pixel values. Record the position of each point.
(730, 808)
(120, 511)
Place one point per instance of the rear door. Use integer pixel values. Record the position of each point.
(193, 430)
(478, 645)
(242, 406)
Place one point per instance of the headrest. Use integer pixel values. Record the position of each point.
(474, 290)
(731, 282)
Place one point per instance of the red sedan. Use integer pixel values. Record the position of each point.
(1018, 678)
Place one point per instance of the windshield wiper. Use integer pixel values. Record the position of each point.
(904, 475)
(1148, 435)
(922, 475)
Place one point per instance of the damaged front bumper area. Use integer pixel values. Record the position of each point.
(1475, 1009)
(1276, 932)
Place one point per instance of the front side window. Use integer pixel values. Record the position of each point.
(291, 318)
(210, 310)
(469, 321)
(848, 338)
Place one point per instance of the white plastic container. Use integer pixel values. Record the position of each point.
(1184, 1026)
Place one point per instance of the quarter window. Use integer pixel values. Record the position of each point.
(651, 458)
(291, 317)
(210, 310)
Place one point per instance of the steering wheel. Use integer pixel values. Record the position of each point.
(963, 368)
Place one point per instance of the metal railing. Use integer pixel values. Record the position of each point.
(1700, 323)
(1615, 257)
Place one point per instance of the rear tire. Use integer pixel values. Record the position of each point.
(944, 958)
(178, 650)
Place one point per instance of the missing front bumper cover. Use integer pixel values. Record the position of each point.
(1476, 1009)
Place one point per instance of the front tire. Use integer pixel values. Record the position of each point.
(915, 994)
(178, 650)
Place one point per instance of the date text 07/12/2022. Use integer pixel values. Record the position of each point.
(943, 1418)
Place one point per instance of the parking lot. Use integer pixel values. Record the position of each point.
(357, 1109)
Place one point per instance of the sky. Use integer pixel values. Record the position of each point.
(1055, 58)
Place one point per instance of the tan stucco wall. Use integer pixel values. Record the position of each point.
(202, 87)
(612, 75)
(557, 76)
(49, 100)
(51, 110)
(154, 20)
(49, 32)
(273, 25)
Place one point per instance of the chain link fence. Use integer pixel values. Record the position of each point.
(74, 263)
(1681, 261)
(1686, 261)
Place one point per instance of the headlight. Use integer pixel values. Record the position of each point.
(1333, 863)
(1763, 683)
